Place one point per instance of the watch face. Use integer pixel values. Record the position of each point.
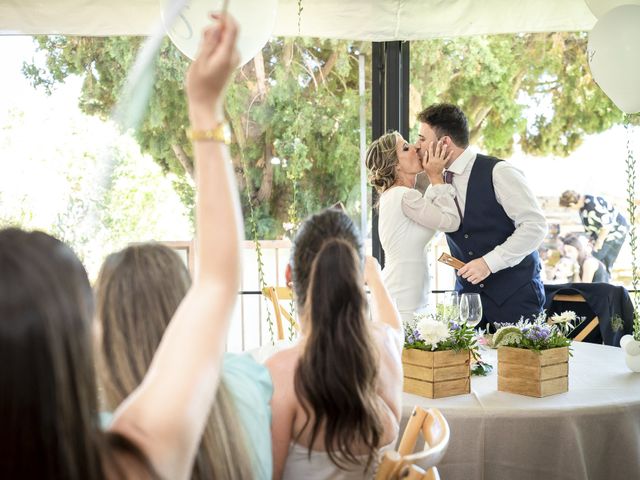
(226, 133)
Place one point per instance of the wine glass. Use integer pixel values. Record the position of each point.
(451, 306)
(470, 309)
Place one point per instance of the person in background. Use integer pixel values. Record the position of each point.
(587, 268)
(605, 225)
(408, 220)
(501, 225)
(137, 292)
(337, 392)
(49, 403)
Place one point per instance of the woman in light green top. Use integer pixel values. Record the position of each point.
(138, 290)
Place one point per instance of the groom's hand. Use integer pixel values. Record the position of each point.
(475, 271)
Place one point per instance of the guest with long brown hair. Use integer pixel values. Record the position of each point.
(138, 291)
(337, 393)
(587, 268)
(48, 405)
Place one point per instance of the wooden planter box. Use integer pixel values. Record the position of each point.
(436, 374)
(536, 374)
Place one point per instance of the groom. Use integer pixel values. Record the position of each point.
(501, 227)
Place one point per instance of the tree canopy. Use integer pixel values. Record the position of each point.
(293, 110)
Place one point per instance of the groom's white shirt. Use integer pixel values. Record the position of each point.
(519, 203)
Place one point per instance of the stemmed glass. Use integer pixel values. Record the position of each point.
(470, 309)
(451, 306)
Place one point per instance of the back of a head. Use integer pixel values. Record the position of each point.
(447, 119)
(336, 376)
(569, 198)
(381, 160)
(48, 403)
(139, 289)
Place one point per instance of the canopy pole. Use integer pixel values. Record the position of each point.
(389, 107)
(363, 146)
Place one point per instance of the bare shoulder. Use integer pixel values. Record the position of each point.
(282, 365)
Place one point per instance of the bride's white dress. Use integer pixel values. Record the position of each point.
(407, 222)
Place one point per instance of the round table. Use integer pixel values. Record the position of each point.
(590, 432)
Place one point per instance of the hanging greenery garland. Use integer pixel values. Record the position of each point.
(633, 237)
(299, 14)
(254, 232)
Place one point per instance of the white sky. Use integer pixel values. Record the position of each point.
(45, 138)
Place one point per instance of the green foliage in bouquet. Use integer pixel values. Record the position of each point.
(537, 334)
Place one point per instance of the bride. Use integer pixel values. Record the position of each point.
(409, 220)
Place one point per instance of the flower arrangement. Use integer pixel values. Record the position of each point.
(434, 333)
(428, 332)
(539, 334)
(533, 355)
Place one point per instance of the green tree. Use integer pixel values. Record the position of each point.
(298, 101)
(496, 79)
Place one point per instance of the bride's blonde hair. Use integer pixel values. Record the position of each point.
(381, 161)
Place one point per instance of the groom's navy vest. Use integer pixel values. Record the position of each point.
(485, 226)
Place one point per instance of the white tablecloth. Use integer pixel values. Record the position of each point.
(590, 432)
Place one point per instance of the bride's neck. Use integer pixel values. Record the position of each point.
(405, 181)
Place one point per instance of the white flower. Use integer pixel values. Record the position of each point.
(566, 316)
(432, 331)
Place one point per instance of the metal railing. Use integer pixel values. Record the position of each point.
(250, 325)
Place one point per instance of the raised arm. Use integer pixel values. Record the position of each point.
(166, 415)
(437, 208)
(383, 308)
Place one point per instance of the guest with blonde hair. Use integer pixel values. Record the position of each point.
(138, 291)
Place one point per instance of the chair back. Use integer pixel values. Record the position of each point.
(404, 463)
(590, 324)
(276, 295)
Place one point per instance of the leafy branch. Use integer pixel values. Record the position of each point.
(633, 237)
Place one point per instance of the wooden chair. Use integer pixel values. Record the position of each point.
(404, 464)
(589, 327)
(277, 294)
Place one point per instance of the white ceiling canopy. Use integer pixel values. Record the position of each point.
(372, 20)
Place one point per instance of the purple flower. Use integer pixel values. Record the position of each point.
(537, 333)
(412, 337)
(454, 326)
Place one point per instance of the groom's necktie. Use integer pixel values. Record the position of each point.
(448, 178)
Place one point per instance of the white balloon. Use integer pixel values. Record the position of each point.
(600, 7)
(625, 339)
(614, 56)
(255, 18)
(632, 362)
(632, 348)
